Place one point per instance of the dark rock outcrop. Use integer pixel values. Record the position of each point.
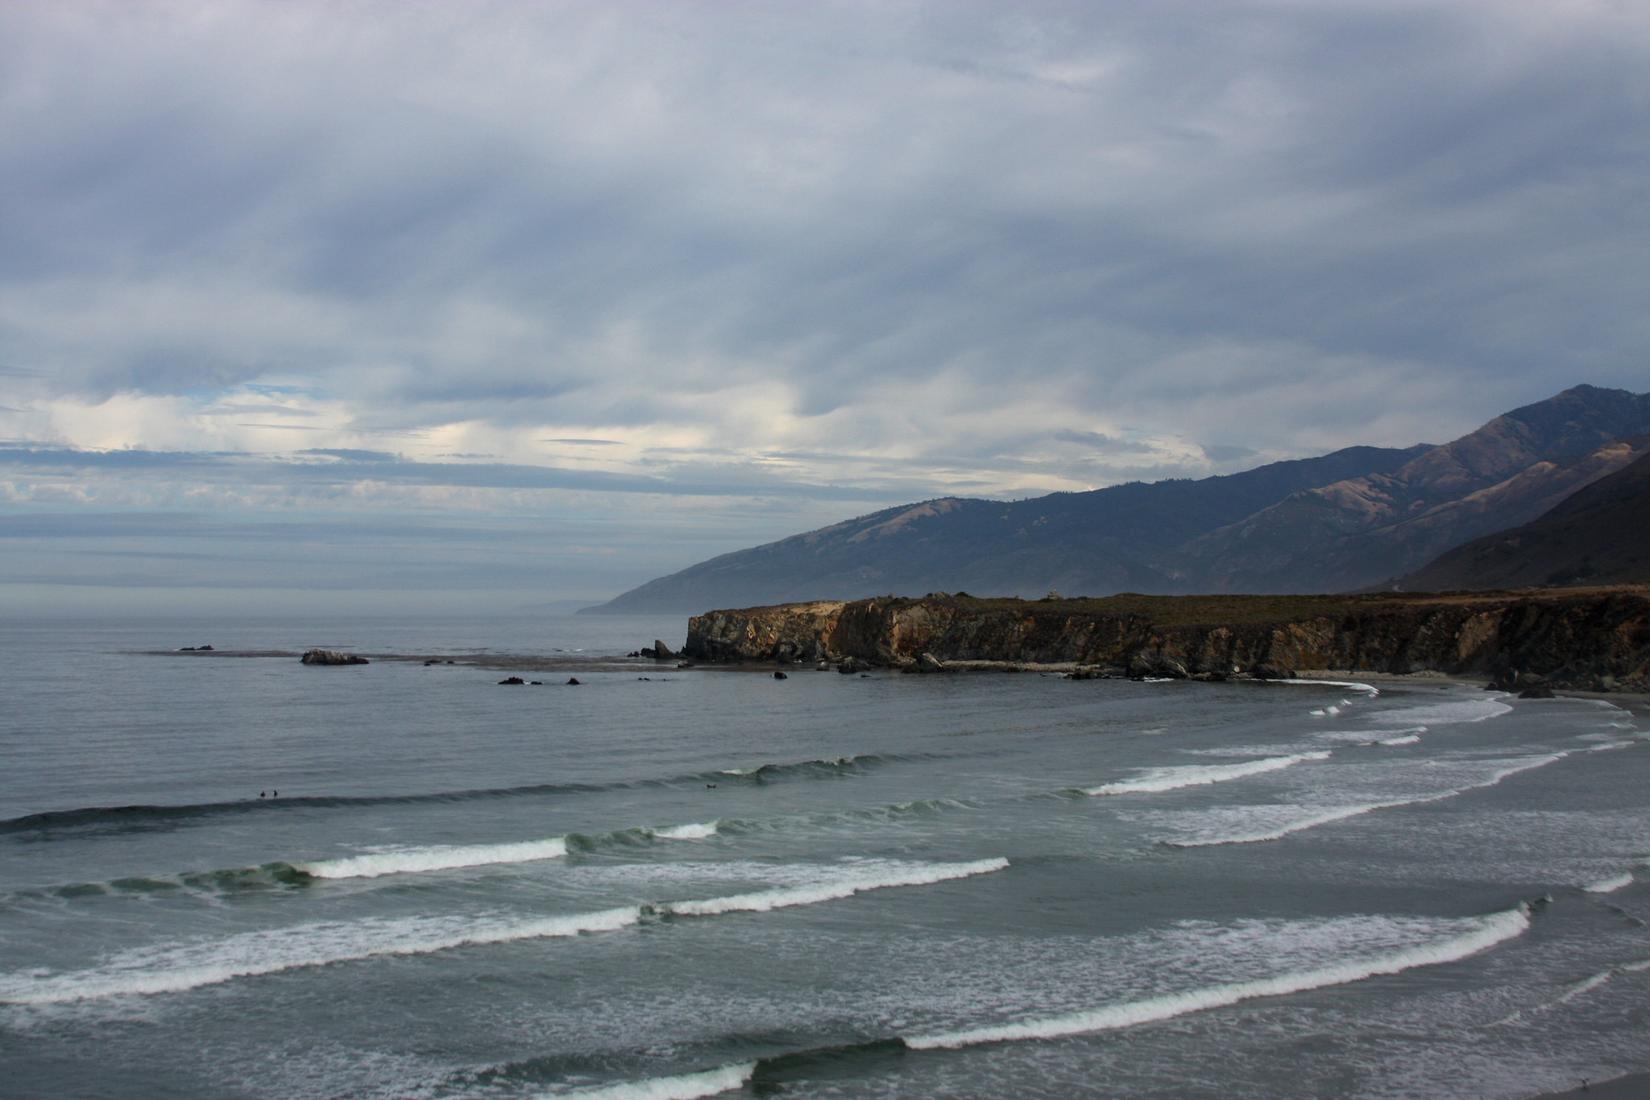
(658, 651)
(1568, 638)
(332, 657)
(512, 681)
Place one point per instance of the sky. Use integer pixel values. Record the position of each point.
(404, 305)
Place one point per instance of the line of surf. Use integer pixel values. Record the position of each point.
(686, 1086)
(178, 967)
(1341, 813)
(1368, 689)
(1487, 932)
(446, 858)
(407, 861)
(1610, 885)
(763, 901)
(159, 816)
(1155, 780)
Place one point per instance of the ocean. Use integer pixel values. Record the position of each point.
(237, 876)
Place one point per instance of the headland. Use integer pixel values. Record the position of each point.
(1577, 639)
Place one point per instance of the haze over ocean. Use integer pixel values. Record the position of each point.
(687, 883)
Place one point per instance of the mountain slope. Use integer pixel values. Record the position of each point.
(1599, 535)
(1105, 540)
(1354, 533)
(1345, 521)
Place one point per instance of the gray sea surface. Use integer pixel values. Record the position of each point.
(667, 883)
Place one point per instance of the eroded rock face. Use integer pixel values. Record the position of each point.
(332, 657)
(1569, 638)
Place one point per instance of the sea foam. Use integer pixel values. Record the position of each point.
(880, 877)
(404, 860)
(1485, 933)
(177, 967)
(1153, 780)
(1609, 885)
(1272, 828)
(687, 1086)
(692, 831)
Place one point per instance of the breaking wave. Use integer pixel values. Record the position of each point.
(1456, 711)
(403, 861)
(177, 967)
(687, 1086)
(1153, 780)
(1609, 885)
(1369, 690)
(763, 901)
(1484, 933)
(1275, 829)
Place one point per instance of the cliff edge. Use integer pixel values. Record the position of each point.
(1591, 639)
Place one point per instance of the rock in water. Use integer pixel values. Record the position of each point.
(572, 681)
(512, 681)
(661, 651)
(780, 676)
(332, 657)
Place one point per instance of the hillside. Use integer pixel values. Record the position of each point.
(1343, 521)
(1599, 535)
(1356, 532)
(1107, 540)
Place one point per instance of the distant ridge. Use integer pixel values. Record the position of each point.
(1347, 520)
(1600, 535)
(1100, 541)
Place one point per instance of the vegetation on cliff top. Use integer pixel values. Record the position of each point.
(1231, 610)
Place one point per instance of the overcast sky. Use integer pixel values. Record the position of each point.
(510, 302)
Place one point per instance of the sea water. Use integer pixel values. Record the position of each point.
(667, 882)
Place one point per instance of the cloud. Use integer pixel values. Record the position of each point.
(823, 253)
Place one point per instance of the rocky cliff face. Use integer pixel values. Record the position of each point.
(1589, 639)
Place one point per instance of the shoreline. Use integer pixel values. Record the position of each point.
(1630, 1086)
(1637, 703)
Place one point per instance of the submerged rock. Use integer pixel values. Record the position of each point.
(331, 657)
(512, 681)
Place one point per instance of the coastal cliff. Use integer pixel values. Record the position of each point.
(1584, 639)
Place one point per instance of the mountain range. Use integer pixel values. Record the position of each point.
(1353, 519)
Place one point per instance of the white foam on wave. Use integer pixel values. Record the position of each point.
(881, 876)
(691, 831)
(445, 858)
(177, 967)
(1485, 933)
(1401, 739)
(1368, 689)
(1457, 710)
(1153, 780)
(1609, 885)
(687, 1086)
(1579, 989)
(1275, 829)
